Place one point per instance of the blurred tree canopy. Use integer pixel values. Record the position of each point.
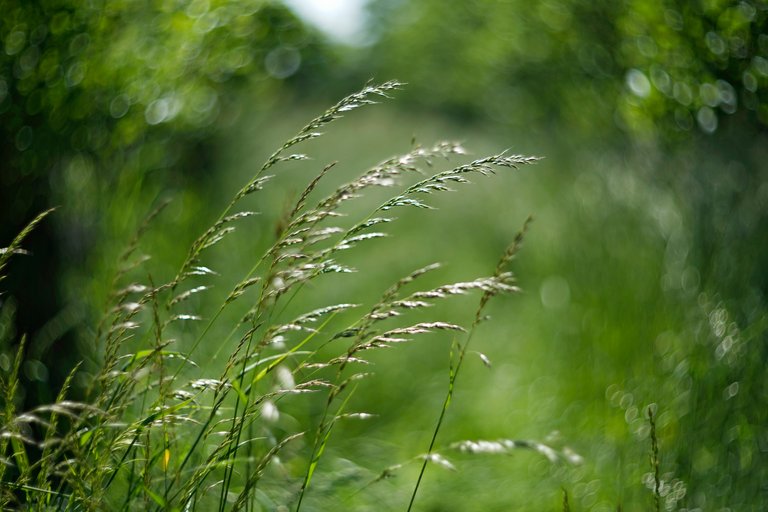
(652, 68)
(108, 101)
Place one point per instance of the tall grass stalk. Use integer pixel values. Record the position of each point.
(455, 368)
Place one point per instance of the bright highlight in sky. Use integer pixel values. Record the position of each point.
(342, 20)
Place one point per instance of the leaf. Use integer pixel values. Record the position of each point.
(155, 497)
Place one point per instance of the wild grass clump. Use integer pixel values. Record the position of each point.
(184, 412)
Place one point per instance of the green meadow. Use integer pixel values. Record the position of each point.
(485, 256)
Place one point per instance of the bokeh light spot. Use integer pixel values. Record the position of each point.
(555, 293)
(24, 138)
(707, 119)
(715, 43)
(282, 62)
(638, 83)
(682, 93)
(35, 370)
(119, 106)
(15, 41)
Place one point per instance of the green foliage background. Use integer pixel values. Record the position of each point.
(644, 271)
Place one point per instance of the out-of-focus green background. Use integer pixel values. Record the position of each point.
(645, 272)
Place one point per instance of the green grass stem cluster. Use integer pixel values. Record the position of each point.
(187, 409)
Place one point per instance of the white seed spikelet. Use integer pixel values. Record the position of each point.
(441, 461)
(187, 294)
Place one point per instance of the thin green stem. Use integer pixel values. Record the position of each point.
(446, 403)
